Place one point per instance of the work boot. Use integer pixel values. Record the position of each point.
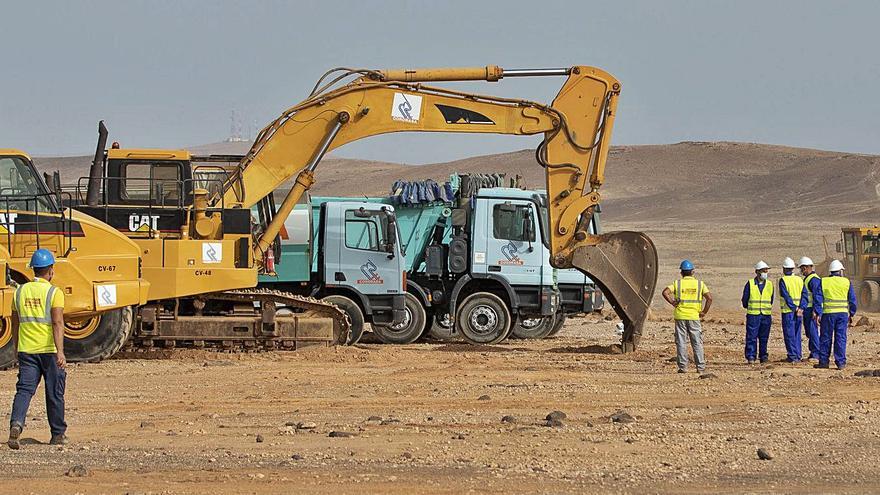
(682, 370)
(821, 365)
(764, 360)
(58, 439)
(14, 433)
(841, 366)
(751, 361)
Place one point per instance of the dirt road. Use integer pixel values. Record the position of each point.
(427, 418)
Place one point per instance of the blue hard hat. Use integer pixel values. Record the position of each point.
(686, 265)
(42, 258)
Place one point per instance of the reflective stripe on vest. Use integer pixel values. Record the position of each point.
(760, 301)
(809, 292)
(44, 317)
(689, 294)
(795, 286)
(836, 295)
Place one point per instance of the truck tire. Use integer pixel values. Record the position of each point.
(441, 328)
(869, 295)
(483, 318)
(408, 331)
(532, 328)
(8, 355)
(99, 337)
(354, 314)
(558, 322)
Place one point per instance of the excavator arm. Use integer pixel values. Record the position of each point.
(577, 130)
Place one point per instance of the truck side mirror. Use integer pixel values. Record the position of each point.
(837, 247)
(391, 234)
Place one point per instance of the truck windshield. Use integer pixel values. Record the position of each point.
(21, 188)
(366, 229)
(871, 244)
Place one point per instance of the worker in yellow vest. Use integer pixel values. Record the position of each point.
(790, 288)
(835, 304)
(686, 295)
(757, 300)
(38, 334)
(812, 282)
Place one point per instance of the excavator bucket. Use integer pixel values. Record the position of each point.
(624, 265)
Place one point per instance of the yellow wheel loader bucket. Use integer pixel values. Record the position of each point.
(624, 265)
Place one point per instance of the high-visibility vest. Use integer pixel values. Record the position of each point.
(689, 294)
(760, 302)
(33, 303)
(836, 295)
(809, 292)
(795, 286)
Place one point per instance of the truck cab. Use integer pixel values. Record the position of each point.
(860, 247)
(347, 252)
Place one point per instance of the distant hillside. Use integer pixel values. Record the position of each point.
(688, 181)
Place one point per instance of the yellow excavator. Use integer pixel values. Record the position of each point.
(100, 285)
(191, 215)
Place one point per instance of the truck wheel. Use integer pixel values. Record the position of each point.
(410, 329)
(483, 318)
(441, 328)
(536, 327)
(98, 337)
(354, 314)
(8, 356)
(558, 322)
(869, 295)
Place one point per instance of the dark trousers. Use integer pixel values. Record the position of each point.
(757, 335)
(811, 329)
(791, 334)
(31, 368)
(833, 334)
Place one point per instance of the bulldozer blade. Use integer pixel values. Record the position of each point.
(624, 265)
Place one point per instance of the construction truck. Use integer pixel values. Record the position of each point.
(200, 242)
(490, 249)
(100, 285)
(346, 252)
(860, 247)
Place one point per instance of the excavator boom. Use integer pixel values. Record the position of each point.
(577, 129)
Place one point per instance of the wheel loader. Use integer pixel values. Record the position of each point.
(860, 247)
(100, 287)
(191, 215)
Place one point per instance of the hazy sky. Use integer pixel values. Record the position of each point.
(168, 74)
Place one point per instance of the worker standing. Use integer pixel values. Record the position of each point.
(757, 299)
(835, 304)
(686, 295)
(812, 284)
(790, 288)
(38, 334)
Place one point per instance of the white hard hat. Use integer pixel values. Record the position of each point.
(761, 265)
(788, 263)
(805, 262)
(835, 266)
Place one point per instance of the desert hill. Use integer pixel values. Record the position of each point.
(688, 181)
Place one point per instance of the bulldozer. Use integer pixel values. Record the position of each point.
(100, 287)
(202, 249)
(860, 247)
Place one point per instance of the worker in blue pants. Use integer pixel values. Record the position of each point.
(790, 288)
(812, 283)
(757, 300)
(835, 304)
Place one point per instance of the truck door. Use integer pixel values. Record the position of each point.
(358, 250)
(850, 242)
(513, 249)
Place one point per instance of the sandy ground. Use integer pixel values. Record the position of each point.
(427, 418)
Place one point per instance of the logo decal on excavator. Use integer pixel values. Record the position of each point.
(406, 108)
(7, 225)
(455, 115)
(142, 223)
(106, 296)
(212, 252)
(510, 251)
(370, 271)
